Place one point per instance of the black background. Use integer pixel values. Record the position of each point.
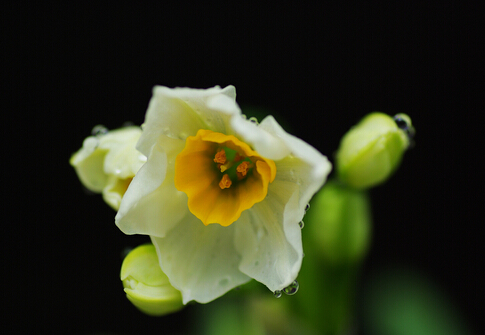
(68, 67)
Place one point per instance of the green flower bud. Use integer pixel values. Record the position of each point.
(339, 223)
(372, 150)
(146, 286)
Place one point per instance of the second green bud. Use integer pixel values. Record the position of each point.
(372, 150)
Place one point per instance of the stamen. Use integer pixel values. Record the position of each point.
(242, 169)
(220, 157)
(225, 182)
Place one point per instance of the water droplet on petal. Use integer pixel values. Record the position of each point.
(292, 289)
(277, 294)
(302, 224)
(99, 130)
(253, 120)
(307, 207)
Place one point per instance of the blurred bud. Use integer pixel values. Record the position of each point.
(339, 223)
(108, 161)
(146, 286)
(372, 150)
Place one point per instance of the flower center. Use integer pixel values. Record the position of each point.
(222, 176)
(233, 166)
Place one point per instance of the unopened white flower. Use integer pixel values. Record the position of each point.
(107, 163)
(220, 196)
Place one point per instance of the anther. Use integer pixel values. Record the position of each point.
(242, 169)
(220, 157)
(225, 182)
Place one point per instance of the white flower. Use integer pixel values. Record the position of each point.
(107, 163)
(220, 196)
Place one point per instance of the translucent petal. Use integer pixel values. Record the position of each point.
(268, 237)
(181, 112)
(305, 165)
(200, 261)
(152, 205)
(273, 142)
(108, 155)
(262, 141)
(122, 158)
(114, 191)
(88, 164)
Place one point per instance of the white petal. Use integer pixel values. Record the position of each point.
(152, 205)
(200, 261)
(265, 143)
(269, 238)
(88, 163)
(114, 191)
(320, 166)
(122, 158)
(295, 159)
(181, 112)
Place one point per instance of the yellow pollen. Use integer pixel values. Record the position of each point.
(242, 169)
(220, 157)
(225, 182)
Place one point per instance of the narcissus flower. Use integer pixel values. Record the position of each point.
(107, 163)
(220, 196)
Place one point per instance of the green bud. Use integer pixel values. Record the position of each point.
(339, 223)
(146, 286)
(372, 150)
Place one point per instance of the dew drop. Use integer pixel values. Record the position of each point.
(292, 289)
(307, 207)
(99, 130)
(301, 224)
(253, 120)
(404, 122)
(400, 122)
(277, 294)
